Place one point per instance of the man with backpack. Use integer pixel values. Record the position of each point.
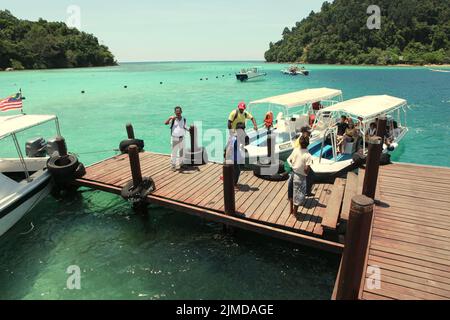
(178, 130)
(240, 116)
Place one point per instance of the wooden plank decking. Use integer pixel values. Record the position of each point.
(410, 238)
(261, 205)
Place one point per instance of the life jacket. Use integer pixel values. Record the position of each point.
(268, 120)
(312, 119)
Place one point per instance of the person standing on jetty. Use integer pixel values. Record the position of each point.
(300, 161)
(178, 131)
(240, 116)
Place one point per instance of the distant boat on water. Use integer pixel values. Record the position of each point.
(250, 74)
(295, 70)
(439, 70)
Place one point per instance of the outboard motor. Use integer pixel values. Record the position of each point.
(52, 147)
(36, 148)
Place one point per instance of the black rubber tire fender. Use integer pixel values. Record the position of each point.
(129, 191)
(60, 170)
(80, 171)
(125, 144)
(276, 177)
(259, 167)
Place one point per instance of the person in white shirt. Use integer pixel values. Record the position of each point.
(178, 131)
(300, 161)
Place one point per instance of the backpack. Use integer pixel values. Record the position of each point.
(236, 114)
(173, 124)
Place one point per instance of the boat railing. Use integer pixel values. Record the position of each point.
(332, 131)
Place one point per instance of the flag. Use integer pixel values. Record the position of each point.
(12, 102)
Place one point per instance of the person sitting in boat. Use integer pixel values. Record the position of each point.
(393, 135)
(342, 126)
(351, 133)
(372, 131)
(240, 116)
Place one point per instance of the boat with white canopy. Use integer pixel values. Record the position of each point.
(24, 178)
(293, 111)
(250, 74)
(363, 111)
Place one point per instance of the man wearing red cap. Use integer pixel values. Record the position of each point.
(240, 116)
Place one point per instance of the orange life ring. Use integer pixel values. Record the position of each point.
(268, 120)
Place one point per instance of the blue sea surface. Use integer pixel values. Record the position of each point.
(175, 256)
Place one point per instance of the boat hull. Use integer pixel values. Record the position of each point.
(12, 210)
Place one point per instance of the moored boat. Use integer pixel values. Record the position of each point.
(293, 111)
(250, 74)
(26, 179)
(328, 161)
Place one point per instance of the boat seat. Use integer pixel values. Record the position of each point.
(327, 149)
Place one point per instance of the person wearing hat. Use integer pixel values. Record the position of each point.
(240, 116)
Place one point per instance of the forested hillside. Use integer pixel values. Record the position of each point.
(412, 31)
(41, 45)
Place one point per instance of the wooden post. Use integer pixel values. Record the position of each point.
(372, 167)
(269, 144)
(356, 242)
(381, 127)
(130, 131)
(228, 189)
(135, 165)
(192, 132)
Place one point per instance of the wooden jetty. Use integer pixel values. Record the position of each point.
(391, 223)
(261, 205)
(407, 255)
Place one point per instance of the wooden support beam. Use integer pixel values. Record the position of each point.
(351, 186)
(130, 131)
(355, 249)
(372, 167)
(228, 189)
(334, 204)
(135, 165)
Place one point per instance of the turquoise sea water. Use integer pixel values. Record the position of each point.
(173, 255)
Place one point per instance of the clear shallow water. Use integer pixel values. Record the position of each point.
(173, 255)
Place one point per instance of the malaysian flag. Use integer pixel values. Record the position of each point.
(12, 102)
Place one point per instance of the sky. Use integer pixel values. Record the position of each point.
(175, 30)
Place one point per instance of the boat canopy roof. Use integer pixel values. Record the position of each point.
(13, 124)
(299, 98)
(368, 106)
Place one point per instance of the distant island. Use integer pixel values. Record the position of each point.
(412, 32)
(43, 45)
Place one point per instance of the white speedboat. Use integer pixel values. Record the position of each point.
(363, 111)
(293, 111)
(24, 180)
(250, 74)
(295, 70)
